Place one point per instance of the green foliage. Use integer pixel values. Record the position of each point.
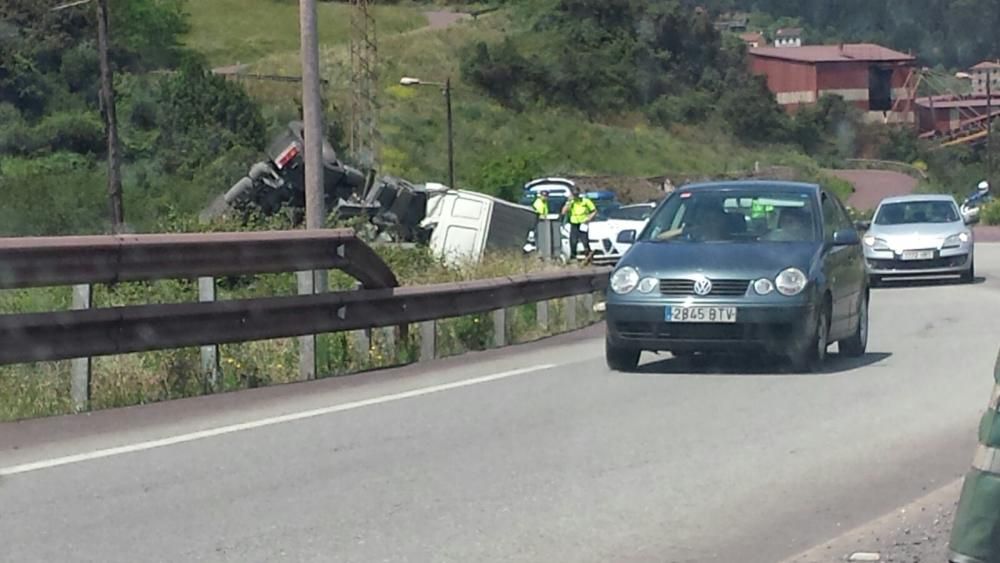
(990, 213)
(949, 32)
(751, 113)
(504, 175)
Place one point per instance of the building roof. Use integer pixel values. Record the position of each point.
(752, 36)
(868, 52)
(789, 32)
(986, 65)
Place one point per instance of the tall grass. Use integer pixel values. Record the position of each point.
(242, 31)
(42, 388)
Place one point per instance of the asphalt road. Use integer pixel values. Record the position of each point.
(535, 453)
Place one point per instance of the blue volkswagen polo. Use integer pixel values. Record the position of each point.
(770, 268)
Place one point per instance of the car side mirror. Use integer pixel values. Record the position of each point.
(627, 236)
(972, 220)
(862, 225)
(846, 237)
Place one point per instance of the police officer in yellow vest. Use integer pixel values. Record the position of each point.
(581, 210)
(541, 205)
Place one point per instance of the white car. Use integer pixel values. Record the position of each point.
(603, 234)
(919, 235)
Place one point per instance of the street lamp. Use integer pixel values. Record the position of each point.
(446, 86)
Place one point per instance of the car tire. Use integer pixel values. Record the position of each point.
(809, 354)
(620, 358)
(857, 344)
(969, 275)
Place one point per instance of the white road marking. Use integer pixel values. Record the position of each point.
(233, 428)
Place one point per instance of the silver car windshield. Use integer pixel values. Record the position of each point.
(734, 216)
(910, 212)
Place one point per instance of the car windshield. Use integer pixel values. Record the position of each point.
(632, 213)
(718, 216)
(911, 212)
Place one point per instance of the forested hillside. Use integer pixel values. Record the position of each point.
(953, 33)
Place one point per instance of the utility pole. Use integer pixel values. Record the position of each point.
(312, 115)
(989, 128)
(107, 97)
(314, 282)
(451, 136)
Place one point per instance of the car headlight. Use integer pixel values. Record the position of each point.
(791, 282)
(648, 285)
(957, 240)
(624, 280)
(875, 243)
(763, 286)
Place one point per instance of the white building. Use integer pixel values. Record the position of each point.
(987, 70)
(788, 37)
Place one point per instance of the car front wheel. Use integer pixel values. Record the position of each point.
(619, 358)
(808, 354)
(969, 275)
(856, 345)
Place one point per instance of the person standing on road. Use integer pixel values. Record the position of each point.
(541, 205)
(581, 210)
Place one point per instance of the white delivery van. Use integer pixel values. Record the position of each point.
(467, 224)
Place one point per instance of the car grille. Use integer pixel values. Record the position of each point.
(639, 330)
(910, 265)
(720, 288)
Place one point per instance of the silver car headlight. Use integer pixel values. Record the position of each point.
(624, 280)
(875, 243)
(957, 240)
(791, 282)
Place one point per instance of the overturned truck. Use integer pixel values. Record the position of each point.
(457, 224)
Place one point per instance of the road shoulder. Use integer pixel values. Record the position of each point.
(915, 533)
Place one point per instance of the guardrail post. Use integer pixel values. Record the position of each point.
(500, 327)
(542, 313)
(307, 344)
(571, 305)
(588, 306)
(428, 340)
(209, 354)
(80, 368)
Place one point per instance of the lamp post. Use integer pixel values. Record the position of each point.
(446, 86)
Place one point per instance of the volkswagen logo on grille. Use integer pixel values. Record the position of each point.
(702, 286)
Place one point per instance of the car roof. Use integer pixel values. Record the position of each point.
(776, 185)
(918, 197)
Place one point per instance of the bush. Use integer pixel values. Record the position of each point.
(990, 213)
(82, 133)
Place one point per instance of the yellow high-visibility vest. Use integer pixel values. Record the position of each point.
(541, 207)
(579, 209)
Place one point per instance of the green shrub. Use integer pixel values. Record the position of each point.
(990, 213)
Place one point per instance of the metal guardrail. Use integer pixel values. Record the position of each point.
(122, 330)
(51, 261)
(86, 332)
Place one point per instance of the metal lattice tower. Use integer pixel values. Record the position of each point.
(364, 85)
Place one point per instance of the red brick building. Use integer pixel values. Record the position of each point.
(876, 79)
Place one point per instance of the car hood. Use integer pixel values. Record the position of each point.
(721, 260)
(916, 235)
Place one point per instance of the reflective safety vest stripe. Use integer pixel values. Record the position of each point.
(541, 207)
(987, 459)
(580, 209)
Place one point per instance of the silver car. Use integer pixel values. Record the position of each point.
(919, 235)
